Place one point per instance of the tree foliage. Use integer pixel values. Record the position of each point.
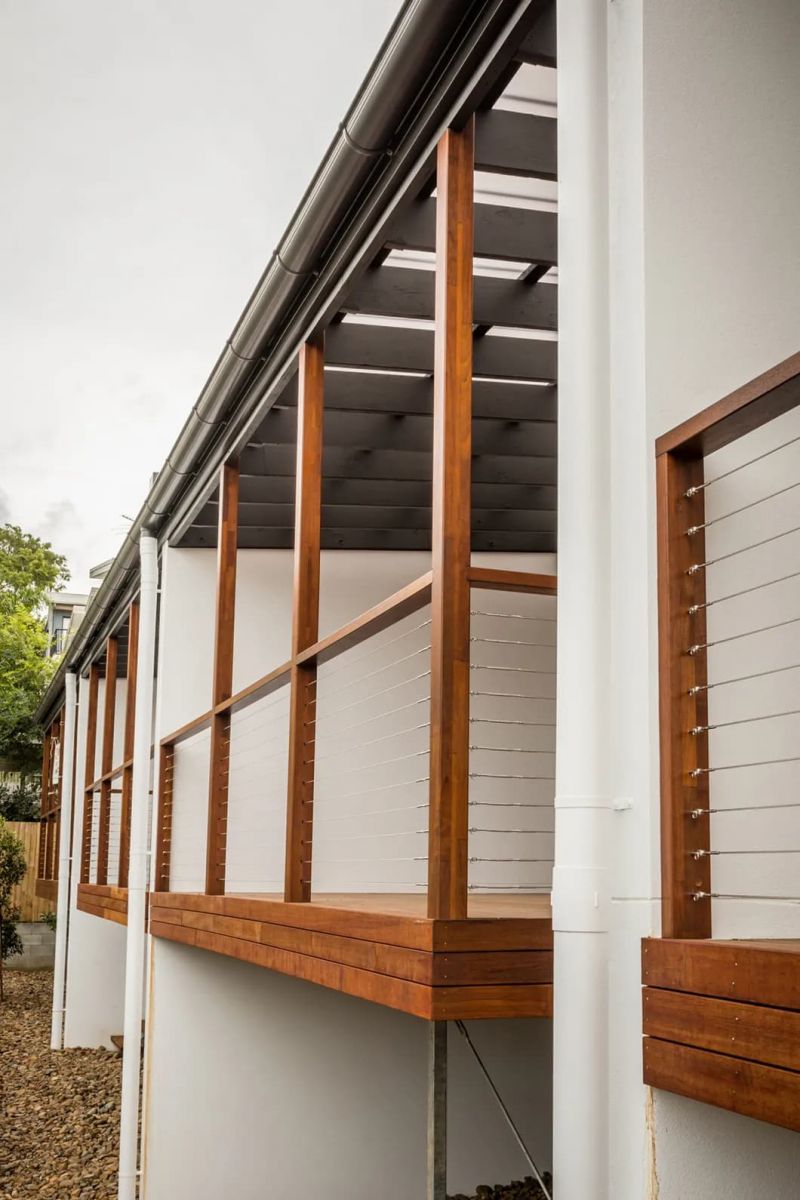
(29, 570)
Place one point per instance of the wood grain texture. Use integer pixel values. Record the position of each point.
(108, 902)
(767, 396)
(493, 579)
(682, 875)
(760, 972)
(163, 846)
(752, 1089)
(452, 453)
(750, 1031)
(222, 685)
(446, 1002)
(88, 773)
(305, 624)
(495, 922)
(127, 748)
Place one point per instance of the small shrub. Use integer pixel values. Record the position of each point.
(49, 919)
(12, 871)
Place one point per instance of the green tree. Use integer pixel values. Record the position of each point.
(12, 871)
(29, 570)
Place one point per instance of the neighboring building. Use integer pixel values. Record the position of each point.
(318, 707)
(65, 611)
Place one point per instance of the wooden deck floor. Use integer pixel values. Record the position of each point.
(722, 1024)
(382, 948)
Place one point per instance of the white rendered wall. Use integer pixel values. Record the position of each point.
(96, 947)
(264, 1085)
(704, 109)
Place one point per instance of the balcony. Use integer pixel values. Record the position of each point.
(722, 987)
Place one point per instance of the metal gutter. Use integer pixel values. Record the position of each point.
(426, 52)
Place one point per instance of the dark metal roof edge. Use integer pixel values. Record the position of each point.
(424, 32)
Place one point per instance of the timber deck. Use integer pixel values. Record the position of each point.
(382, 948)
(722, 1024)
(104, 900)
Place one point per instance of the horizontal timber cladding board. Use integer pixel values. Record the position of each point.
(752, 1089)
(401, 431)
(750, 1031)
(410, 395)
(266, 489)
(404, 292)
(755, 972)
(343, 463)
(511, 143)
(520, 234)
(431, 1003)
(107, 914)
(464, 968)
(392, 928)
(88, 895)
(397, 516)
(394, 348)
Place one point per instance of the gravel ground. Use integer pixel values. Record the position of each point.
(59, 1113)
(520, 1189)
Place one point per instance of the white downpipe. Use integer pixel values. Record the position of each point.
(64, 861)
(583, 803)
(138, 873)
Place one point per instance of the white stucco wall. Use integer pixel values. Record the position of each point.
(96, 948)
(705, 291)
(265, 1085)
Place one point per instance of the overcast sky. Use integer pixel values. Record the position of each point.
(152, 154)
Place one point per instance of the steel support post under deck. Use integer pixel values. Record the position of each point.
(437, 1111)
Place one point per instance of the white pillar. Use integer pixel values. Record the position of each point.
(64, 861)
(583, 804)
(138, 871)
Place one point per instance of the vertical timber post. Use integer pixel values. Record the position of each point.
(437, 1111)
(680, 707)
(88, 774)
(452, 451)
(219, 758)
(107, 758)
(127, 751)
(305, 622)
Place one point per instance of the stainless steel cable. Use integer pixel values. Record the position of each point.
(696, 813)
(698, 729)
(345, 663)
(479, 612)
(695, 608)
(735, 512)
(513, 642)
(385, 762)
(767, 762)
(735, 637)
(391, 712)
(344, 687)
(509, 670)
(705, 687)
(710, 562)
(385, 737)
(699, 487)
(745, 896)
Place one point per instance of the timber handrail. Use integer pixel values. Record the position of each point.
(512, 581)
(401, 604)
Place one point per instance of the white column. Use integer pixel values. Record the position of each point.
(64, 861)
(583, 804)
(138, 871)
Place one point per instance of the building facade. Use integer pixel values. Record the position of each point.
(413, 885)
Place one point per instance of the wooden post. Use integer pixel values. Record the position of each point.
(682, 875)
(305, 624)
(222, 686)
(88, 774)
(127, 749)
(44, 804)
(107, 757)
(452, 450)
(166, 768)
(57, 798)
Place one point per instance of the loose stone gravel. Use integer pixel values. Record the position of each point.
(520, 1189)
(59, 1112)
